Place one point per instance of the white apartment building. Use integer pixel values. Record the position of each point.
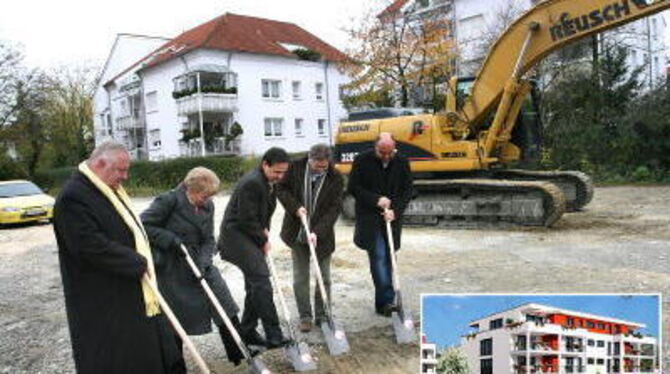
(273, 80)
(428, 360)
(535, 338)
(474, 21)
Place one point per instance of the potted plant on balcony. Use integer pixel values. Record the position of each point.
(307, 54)
(188, 134)
(234, 132)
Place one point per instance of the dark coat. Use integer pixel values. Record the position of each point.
(171, 216)
(367, 183)
(247, 215)
(101, 274)
(328, 206)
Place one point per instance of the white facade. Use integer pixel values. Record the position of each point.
(644, 38)
(302, 108)
(474, 20)
(127, 48)
(428, 360)
(529, 339)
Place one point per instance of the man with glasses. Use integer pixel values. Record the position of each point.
(381, 183)
(314, 188)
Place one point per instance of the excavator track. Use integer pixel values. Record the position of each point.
(576, 186)
(485, 202)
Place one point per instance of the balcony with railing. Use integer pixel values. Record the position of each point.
(535, 369)
(573, 369)
(537, 345)
(218, 146)
(206, 88)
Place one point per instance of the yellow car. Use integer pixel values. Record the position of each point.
(22, 201)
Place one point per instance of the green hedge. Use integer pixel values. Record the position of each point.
(153, 177)
(167, 174)
(149, 177)
(53, 179)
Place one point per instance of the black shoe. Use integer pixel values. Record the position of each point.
(387, 310)
(254, 338)
(278, 342)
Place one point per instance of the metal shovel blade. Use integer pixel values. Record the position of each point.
(300, 357)
(257, 366)
(336, 339)
(405, 332)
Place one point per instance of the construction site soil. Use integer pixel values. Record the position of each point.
(619, 244)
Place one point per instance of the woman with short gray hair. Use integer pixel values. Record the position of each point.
(185, 216)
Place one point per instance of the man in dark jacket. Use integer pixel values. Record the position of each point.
(115, 323)
(314, 188)
(244, 242)
(381, 183)
(185, 216)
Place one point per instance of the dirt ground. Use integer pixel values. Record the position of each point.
(620, 243)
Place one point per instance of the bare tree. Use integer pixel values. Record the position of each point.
(69, 112)
(502, 17)
(10, 67)
(396, 51)
(25, 129)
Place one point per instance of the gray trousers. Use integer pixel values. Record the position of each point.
(301, 272)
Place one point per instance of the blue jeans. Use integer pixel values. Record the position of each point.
(380, 268)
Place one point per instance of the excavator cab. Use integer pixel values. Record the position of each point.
(527, 132)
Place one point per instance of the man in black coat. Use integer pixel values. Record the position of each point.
(112, 327)
(381, 183)
(244, 242)
(314, 188)
(185, 216)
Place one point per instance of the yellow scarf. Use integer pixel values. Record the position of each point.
(142, 247)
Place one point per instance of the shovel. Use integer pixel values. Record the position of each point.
(297, 353)
(333, 333)
(177, 326)
(403, 325)
(256, 365)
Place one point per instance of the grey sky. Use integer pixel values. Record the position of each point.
(68, 32)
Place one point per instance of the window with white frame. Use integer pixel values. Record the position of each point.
(321, 127)
(152, 102)
(273, 127)
(654, 29)
(470, 28)
(155, 138)
(318, 89)
(298, 126)
(296, 90)
(109, 124)
(271, 89)
(124, 108)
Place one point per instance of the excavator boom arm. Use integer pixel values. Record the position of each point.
(560, 22)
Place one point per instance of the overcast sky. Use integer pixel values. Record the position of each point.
(68, 32)
(82, 31)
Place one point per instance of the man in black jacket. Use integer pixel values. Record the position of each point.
(381, 183)
(115, 324)
(314, 188)
(244, 242)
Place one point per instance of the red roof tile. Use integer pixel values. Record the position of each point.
(393, 8)
(232, 32)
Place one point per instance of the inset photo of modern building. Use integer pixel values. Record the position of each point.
(523, 334)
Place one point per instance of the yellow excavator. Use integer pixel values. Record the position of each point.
(458, 156)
